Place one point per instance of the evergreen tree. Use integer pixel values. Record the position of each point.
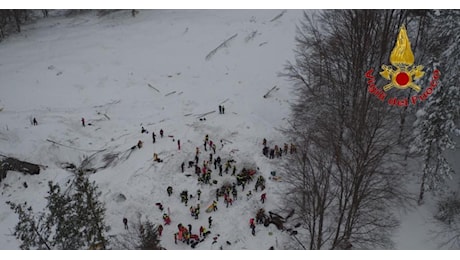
(148, 234)
(74, 219)
(142, 235)
(436, 120)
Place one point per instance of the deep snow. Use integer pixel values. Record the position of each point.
(62, 69)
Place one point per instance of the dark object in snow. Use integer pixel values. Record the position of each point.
(120, 197)
(12, 164)
(125, 222)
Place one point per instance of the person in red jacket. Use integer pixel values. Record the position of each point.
(263, 197)
(167, 219)
(252, 226)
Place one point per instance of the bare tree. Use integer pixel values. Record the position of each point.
(308, 179)
(353, 133)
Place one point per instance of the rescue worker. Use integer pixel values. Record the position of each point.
(263, 197)
(125, 222)
(169, 190)
(160, 230)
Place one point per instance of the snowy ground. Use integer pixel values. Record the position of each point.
(62, 69)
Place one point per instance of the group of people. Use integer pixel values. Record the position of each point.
(277, 151)
(204, 171)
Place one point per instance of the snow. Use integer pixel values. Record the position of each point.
(62, 69)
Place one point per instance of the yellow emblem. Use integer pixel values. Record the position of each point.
(402, 59)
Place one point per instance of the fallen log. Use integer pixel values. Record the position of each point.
(153, 87)
(205, 114)
(268, 93)
(222, 45)
(12, 164)
(170, 93)
(278, 16)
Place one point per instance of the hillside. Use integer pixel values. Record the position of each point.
(162, 69)
(156, 70)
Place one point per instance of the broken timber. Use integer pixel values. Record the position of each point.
(222, 45)
(268, 93)
(170, 93)
(153, 87)
(205, 114)
(278, 16)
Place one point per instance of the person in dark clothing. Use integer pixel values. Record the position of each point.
(217, 194)
(143, 130)
(182, 166)
(197, 209)
(220, 109)
(169, 190)
(223, 110)
(35, 121)
(125, 222)
(83, 121)
(161, 133)
(220, 169)
(196, 159)
(189, 228)
(160, 206)
(198, 194)
(210, 221)
(210, 157)
(153, 136)
(265, 151)
(160, 230)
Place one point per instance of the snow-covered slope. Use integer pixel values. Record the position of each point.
(62, 69)
(163, 69)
